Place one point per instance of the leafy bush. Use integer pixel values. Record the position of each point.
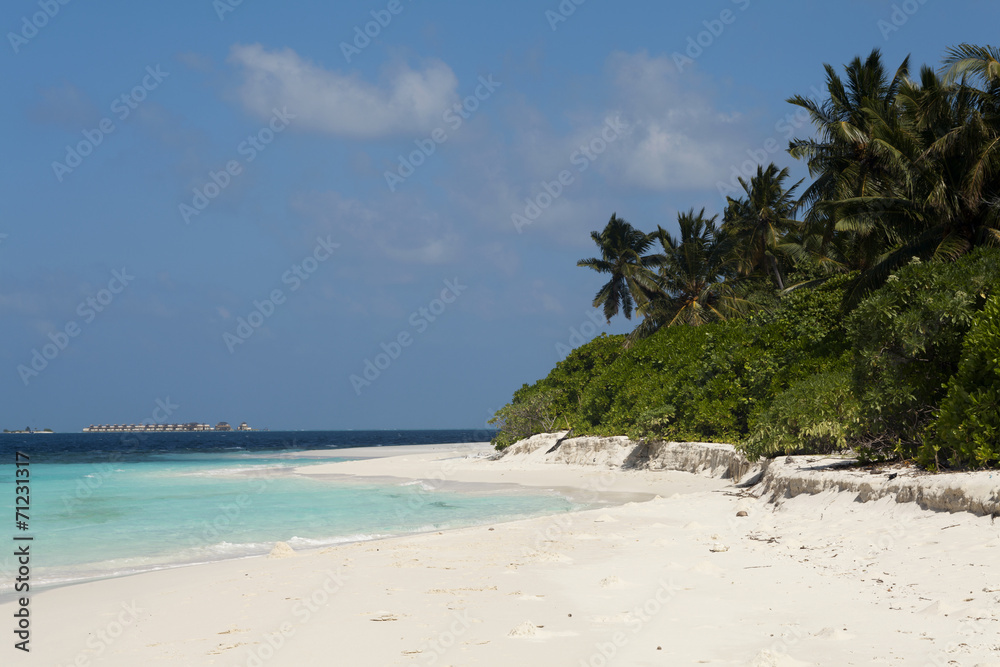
(534, 409)
(966, 432)
(529, 413)
(705, 383)
(907, 341)
(817, 414)
(800, 377)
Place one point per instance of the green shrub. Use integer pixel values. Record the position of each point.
(906, 339)
(966, 432)
(817, 414)
(536, 408)
(530, 412)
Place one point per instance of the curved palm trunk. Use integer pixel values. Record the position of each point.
(777, 273)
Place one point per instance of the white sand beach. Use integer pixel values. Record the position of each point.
(675, 576)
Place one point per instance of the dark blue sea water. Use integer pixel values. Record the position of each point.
(84, 447)
(107, 504)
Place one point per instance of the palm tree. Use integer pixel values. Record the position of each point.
(694, 283)
(759, 224)
(622, 256)
(982, 62)
(844, 160)
(944, 154)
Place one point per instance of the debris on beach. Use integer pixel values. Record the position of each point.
(281, 550)
(526, 629)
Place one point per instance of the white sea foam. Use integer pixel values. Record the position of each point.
(421, 483)
(237, 471)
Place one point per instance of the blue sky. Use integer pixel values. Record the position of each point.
(240, 207)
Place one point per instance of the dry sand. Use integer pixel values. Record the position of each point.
(679, 579)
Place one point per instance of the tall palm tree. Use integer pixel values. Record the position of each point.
(694, 283)
(944, 153)
(760, 223)
(623, 249)
(844, 160)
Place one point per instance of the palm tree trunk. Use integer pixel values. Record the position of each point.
(777, 274)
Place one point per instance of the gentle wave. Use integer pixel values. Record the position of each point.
(421, 483)
(220, 551)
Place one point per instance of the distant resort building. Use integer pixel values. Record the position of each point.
(161, 428)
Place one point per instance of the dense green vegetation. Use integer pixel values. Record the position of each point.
(860, 314)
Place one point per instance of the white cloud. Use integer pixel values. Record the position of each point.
(408, 101)
(392, 229)
(679, 139)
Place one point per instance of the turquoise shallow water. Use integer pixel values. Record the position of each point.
(99, 519)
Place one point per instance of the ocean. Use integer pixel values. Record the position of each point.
(106, 504)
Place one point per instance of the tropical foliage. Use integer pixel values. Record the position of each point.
(845, 314)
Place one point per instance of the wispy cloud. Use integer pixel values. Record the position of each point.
(403, 231)
(679, 138)
(335, 103)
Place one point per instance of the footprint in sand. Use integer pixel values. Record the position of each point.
(770, 659)
(704, 567)
(937, 608)
(529, 630)
(612, 582)
(834, 634)
(551, 557)
(618, 618)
